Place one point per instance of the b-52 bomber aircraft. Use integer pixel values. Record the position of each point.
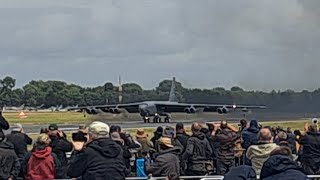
(157, 109)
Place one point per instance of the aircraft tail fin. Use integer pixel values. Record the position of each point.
(172, 96)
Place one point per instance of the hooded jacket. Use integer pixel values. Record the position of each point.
(241, 173)
(9, 162)
(41, 164)
(279, 167)
(20, 142)
(182, 137)
(102, 159)
(226, 140)
(60, 145)
(250, 135)
(259, 153)
(197, 152)
(166, 164)
(310, 149)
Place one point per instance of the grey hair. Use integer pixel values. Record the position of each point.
(99, 136)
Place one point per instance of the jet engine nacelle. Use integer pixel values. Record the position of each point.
(190, 110)
(91, 111)
(223, 110)
(115, 110)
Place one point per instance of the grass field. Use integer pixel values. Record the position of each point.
(46, 117)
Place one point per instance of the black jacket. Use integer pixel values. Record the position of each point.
(292, 142)
(310, 149)
(9, 162)
(197, 153)
(279, 167)
(241, 173)
(250, 137)
(166, 164)
(3, 125)
(20, 142)
(183, 138)
(60, 146)
(226, 140)
(102, 159)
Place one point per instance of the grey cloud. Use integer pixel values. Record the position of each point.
(263, 45)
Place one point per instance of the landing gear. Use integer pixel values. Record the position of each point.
(146, 120)
(167, 119)
(157, 119)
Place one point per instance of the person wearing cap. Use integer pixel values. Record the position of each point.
(167, 162)
(41, 162)
(198, 153)
(60, 146)
(146, 145)
(100, 159)
(9, 162)
(20, 140)
(169, 132)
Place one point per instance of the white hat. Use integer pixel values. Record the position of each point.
(99, 128)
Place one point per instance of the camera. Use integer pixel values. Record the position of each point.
(79, 137)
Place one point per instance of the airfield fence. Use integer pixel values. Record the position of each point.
(310, 177)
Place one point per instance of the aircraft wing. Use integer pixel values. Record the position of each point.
(185, 107)
(130, 107)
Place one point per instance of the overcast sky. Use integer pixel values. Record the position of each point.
(263, 45)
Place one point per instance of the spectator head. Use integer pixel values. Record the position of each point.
(53, 130)
(179, 127)
(265, 135)
(141, 134)
(53, 127)
(42, 141)
(297, 132)
(243, 123)
(44, 130)
(254, 123)
(168, 132)
(282, 136)
(115, 128)
(282, 150)
(289, 130)
(204, 130)
(16, 127)
(159, 131)
(98, 130)
(196, 127)
(115, 136)
(165, 143)
(313, 128)
(224, 124)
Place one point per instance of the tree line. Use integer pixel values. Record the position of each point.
(53, 93)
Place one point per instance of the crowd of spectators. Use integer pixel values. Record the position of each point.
(103, 152)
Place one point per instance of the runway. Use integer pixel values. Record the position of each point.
(31, 129)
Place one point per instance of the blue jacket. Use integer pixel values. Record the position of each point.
(279, 167)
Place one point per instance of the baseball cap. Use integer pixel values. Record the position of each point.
(53, 127)
(98, 127)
